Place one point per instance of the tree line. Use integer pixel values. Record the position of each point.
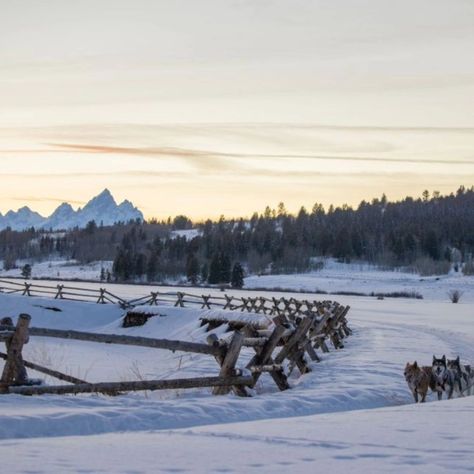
(429, 234)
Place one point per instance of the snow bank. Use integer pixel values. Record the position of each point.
(434, 437)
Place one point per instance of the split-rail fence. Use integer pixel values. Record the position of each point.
(294, 332)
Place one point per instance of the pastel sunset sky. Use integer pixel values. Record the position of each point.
(213, 107)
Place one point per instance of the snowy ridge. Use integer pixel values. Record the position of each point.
(102, 209)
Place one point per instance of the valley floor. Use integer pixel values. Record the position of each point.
(352, 412)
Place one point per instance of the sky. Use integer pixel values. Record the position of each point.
(212, 107)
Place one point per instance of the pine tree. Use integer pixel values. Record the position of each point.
(214, 270)
(26, 271)
(140, 265)
(192, 269)
(204, 272)
(152, 267)
(225, 269)
(237, 279)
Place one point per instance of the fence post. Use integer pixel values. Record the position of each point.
(59, 294)
(14, 370)
(179, 301)
(228, 363)
(154, 296)
(26, 291)
(101, 299)
(228, 304)
(205, 303)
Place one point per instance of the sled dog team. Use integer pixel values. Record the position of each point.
(444, 375)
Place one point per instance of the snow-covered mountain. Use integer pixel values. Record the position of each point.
(21, 219)
(102, 209)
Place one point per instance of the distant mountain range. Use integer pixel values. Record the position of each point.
(102, 209)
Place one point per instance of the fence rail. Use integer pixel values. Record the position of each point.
(61, 291)
(289, 307)
(289, 340)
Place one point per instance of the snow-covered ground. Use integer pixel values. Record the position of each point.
(61, 269)
(431, 438)
(333, 278)
(353, 411)
(188, 233)
(361, 278)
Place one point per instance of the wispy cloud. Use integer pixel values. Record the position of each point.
(204, 160)
(212, 160)
(46, 199)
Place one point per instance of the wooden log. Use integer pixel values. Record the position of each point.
(229, 361)
(268, 332)
(179, 301)
(322, 344)
(53, 373)
(258, 369)
(320, 325)
(11, 282)
(234, 324)
(254, 341)
(214, 341)
(297, 336)
(296, 356)
(166, 344)
(311, 352)
(263, 357)
(59, 294)
(113, 387)
(14, 370)
(206, 303)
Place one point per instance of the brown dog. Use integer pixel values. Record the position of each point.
(419, 379)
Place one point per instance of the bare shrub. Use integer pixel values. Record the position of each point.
(454, 295)
(426, 266)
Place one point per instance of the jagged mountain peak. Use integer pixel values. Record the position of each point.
(102, 209)
(103, 199)
(64, 206)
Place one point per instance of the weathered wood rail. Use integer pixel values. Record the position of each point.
(15, 380)
(289, 341)
(61, 291)
(284, 307)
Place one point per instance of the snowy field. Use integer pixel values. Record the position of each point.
(334, 277)
(61, 269)
(353, 411)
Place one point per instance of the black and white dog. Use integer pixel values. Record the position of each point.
(463, 376)
(445, 378)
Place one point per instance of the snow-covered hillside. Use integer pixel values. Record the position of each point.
(349, 413)
(101, 209)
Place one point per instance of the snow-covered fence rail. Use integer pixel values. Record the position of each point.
(15, 380)
(259, 304)
(61, 291)
(278, 349)
(287, 309)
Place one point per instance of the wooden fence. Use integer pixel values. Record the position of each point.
(284, 307)
(290, 338)
(61, 291)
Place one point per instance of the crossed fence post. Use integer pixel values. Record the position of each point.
(101, 299)
(59, 294)
(26, 291)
